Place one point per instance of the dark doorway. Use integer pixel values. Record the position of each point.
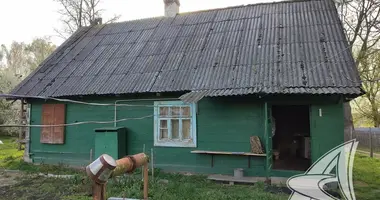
(291, 140)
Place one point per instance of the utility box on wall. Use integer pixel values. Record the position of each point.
(111, 141)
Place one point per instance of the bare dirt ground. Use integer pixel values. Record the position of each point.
(32, 186)
(9, 178)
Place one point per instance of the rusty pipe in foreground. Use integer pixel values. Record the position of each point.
(105, 167)
(128, 164)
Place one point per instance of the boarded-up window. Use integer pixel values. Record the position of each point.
(53, 114)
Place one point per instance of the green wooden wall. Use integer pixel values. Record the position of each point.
(327, 128)
(223, 124)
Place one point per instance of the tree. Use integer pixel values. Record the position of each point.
(79, 13)
(362, 24)
(16, 62)
(15, 59)
(361, 20)
(367, 107)
(39, 50)
(8, 112)
(13, 63)
(21, 59)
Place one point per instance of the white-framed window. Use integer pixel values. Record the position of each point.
(175, 124)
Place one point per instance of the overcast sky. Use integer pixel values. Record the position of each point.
(23, 20)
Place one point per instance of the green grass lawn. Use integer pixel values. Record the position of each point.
(32, 186)
(11, 159)
(178, 186)
(8, 151)
(366, 177)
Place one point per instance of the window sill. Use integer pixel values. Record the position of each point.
(174, 144)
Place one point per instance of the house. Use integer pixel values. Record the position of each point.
(195, 87)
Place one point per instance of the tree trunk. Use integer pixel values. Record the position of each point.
(348, 123)
(376, 122)
(375, 112)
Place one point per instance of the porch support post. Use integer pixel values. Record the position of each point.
(268, 140)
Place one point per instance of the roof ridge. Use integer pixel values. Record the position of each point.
(254, 4)
(222, 8)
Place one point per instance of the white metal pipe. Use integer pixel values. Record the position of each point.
(91, 155)
(76, 123)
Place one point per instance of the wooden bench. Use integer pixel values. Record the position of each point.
(245, 179)
(232, 179)
(212, 153)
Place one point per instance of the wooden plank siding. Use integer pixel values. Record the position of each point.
(223, 124)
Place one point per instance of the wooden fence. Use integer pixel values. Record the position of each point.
(369, 139)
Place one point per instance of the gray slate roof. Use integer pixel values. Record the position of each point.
(289, 47)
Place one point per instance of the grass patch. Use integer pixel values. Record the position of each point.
(178, 187)
(32, 186)
(366, 182)
(366, 177)
(12, 159)
(8, 150)
(187, 187)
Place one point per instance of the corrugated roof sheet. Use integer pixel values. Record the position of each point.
(286, 47)
(195, 96)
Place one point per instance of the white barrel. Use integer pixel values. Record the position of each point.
(100, 170)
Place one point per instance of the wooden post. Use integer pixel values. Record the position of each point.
(99, 191)
(146, 181)
(20, 135)
(351, 133)
(370, 143)
(142, 168)
(151, 160)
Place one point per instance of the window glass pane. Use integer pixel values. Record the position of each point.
(163, 124)
(186, 111)
(186, 129)
(175, 129)
(176, 111)
(164, 111)
(163, 134)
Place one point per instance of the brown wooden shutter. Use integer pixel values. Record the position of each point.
(47, 116)
(59, 118)
(53, 114)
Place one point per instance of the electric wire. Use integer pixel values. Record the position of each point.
(75, 123)
(70, 100)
